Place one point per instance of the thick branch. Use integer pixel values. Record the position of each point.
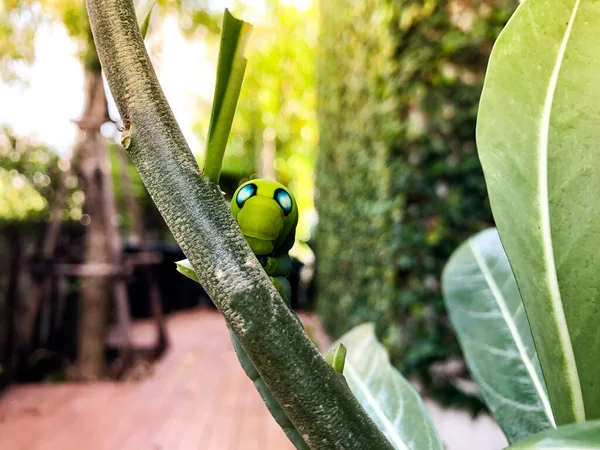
(317, 400)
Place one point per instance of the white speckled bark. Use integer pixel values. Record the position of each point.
(315, 398)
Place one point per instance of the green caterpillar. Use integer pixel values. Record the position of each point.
(267, 214)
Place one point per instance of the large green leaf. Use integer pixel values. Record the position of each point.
(567, 437)
(487, 313)
(390, 400)
(538, 136)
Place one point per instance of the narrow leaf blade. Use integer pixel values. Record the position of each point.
(388, 398)
(578, 436)
(486, 310)
(537, 136)
(230, 75)
(146, 23)
(144, 20)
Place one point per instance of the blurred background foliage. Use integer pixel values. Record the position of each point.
(29, 176)
(18, 22)
(399, 182)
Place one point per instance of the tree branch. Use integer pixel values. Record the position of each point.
(316, 399)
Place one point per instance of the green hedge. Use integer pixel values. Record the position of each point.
(399, 182)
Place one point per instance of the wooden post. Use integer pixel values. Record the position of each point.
(103, 243)
(41, 283)
(15, 249)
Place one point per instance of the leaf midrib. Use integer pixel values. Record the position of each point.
(548, 251)
(389, 428)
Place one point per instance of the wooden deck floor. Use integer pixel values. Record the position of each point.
(197, 397)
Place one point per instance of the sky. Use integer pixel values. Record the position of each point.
(44, 109)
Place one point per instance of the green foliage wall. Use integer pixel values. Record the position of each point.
(399, 182)
(29, 176)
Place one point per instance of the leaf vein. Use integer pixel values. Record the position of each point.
(502, 304)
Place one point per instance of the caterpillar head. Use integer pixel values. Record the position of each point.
(267, 214)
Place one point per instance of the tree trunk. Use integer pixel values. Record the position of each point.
(102, 241)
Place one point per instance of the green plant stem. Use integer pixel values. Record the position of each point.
(316, 400)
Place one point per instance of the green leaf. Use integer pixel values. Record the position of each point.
(390, 400)
(537, 135)
(146, 23)
(336, 357)
(144, 10)
(230, 75)
(567, 437)
(185, 267)
(486, 310)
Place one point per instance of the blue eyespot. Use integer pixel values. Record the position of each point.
(284, 200)
(245, 193)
